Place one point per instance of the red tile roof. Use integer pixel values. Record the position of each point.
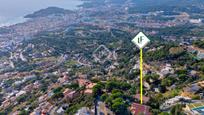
(137, 109)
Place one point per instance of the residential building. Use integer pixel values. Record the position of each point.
(103, 110)
(173, 101)
(84, 111)
(138, 109)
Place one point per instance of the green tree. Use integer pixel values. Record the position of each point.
(108, 101)
(118, 100)
(58, 95)
(1, 98)
(183, 77)
(156, 111)
(181, 72)
(117, 95)
(116, 91)
(104, 97)
(132, 75)
(97, 90)
(177, 110)
(202, 68)
(125, 86)
(119, 106)
(156, 100)
(110, 85)
(2, 113)
(167, 81)
(23, 112)
(57, 90)
(151, 76)
(22, 98)
(133, 90)
(73, 86)
(199, 43)
(164, 113)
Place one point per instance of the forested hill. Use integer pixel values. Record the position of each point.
(48, 11)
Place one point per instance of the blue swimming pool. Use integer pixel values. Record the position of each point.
(199, 109)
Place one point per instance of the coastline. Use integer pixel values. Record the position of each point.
(13, 20)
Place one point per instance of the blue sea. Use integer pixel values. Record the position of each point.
(13, 11)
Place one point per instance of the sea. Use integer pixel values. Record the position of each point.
(13, 11)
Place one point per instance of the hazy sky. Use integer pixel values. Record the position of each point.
(11, 10)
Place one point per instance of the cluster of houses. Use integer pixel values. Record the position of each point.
(11, 98)
(100, 109)
(88, 85)
(193, 106)
(102, 54)
(200, 52)
(6, 65)
(174, 101)
(43, 109)
(27, 78)
(10, 95)
(69, 94)
(193, 89)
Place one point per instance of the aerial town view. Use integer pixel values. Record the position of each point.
(84, 57)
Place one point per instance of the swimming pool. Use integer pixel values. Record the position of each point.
(199, 109)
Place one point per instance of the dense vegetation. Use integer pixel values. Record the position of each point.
(199, 43)
(48, 11)
(114, 94)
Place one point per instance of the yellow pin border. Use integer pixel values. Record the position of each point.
(141, 75)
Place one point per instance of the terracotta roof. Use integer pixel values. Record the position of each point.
(88, 91)
(67, 91)
(137, 109)
(90, 85)
(82, 82)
